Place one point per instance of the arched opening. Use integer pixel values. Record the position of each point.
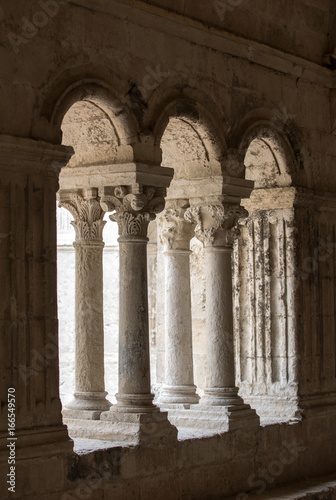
(95, 140)
(89, 331)
(192, 149)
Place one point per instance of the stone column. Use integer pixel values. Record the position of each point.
(216, 228)
(134, 207)
(179, 388)
(90, 396)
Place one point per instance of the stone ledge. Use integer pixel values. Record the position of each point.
(323, 489)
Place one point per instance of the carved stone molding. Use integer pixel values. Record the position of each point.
(134, 206)
(175, 231)
(88, 216)
(216, 224)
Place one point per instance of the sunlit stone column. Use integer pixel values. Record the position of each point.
(175, 235)
(134, 207)
(90, 396)
(216, 228)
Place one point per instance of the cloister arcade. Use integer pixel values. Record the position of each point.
(210, 184)
(207, 137)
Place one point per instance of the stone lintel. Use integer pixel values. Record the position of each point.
(289, 197)
(215, 189)
(124, 174)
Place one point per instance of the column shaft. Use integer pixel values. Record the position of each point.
(179, 368)
(216, 228)
(134, 367)
(90, 386)
(219, 318)
(179, 374)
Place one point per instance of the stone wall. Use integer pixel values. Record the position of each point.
(299, 28)
(167, 78)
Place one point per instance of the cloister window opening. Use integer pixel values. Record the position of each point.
(188, 149)
(66, 305)
(88, 130)
(91, 133)
(183, 257)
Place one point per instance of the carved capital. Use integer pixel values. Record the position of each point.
(133, 206)
(130, 224)
(88, 216)
(216, 225)
(175, 231)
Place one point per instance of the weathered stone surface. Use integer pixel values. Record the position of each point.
(227, 105)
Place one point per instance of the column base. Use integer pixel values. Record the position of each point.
(217, 419)
(133, 403)
(139, 428)
(178, 396)
(86, 406)
(275, 408)
(221, 396)
(219, 410)
(126, 428)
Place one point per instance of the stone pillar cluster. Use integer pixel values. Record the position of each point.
(134, 417)
(216, 227)
(33, 322)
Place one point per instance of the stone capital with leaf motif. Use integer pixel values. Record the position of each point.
(133, 206)
(216, 225)
(174, 230)
(87, 213)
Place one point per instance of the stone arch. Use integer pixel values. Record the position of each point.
(93, 85)
(100, 96)
(274, 133)
(97, 102)
(188, 104)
